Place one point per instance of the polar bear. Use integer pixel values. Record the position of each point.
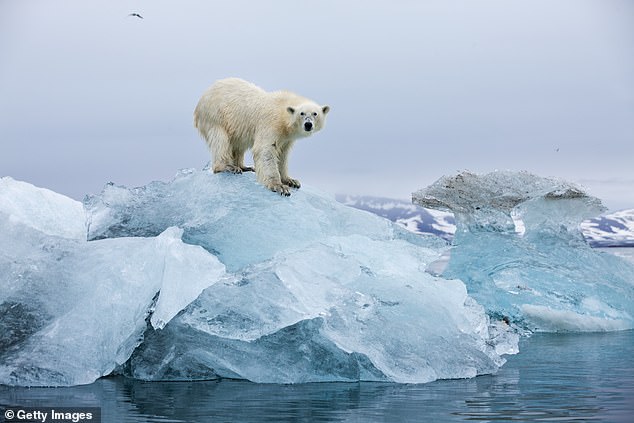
(234, 115)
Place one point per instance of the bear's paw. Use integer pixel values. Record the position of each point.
(281, 188)
(293, 183)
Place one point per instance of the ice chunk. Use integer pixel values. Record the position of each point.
(344, 309)
(544, 277)
(486, 202)
(318, 291)
(71, 310)
(187, 271)
(42, 209)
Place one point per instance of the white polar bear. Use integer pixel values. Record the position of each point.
(234, 115)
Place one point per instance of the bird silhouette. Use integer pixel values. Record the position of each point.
(136, 15)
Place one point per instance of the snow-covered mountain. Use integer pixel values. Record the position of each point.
(611, 230)
(415, 218)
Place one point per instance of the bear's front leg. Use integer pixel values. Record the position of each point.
(266, 158)
(283, 166)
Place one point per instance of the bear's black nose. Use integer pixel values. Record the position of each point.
(308, 126)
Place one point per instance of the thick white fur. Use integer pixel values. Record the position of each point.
(234, 115)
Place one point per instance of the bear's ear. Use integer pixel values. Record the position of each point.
(325, 109)
(290, 110)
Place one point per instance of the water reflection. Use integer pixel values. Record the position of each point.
(555, 377)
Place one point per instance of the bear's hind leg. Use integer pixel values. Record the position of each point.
(221, 152)
(238, 154)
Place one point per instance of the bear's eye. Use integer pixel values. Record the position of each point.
(302, 114)
(314, 113)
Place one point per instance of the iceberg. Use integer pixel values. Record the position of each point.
(317, 292)
(71, 311)
(335, 311)
(519, 250)
(211, 276)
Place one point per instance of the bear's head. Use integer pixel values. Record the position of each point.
(307, 118)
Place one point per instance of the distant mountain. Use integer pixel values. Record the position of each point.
(414, 218)
(612, 230)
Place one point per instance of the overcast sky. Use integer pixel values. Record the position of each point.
(417, 89)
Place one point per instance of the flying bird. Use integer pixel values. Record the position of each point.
(136, 15)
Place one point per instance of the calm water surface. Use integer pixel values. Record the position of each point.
(556, 377)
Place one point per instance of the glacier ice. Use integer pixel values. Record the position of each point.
(212, 276)
(520, 252)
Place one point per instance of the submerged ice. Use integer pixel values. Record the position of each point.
(520, 252)
(211, 276)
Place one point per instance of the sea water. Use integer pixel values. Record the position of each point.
(555, 377)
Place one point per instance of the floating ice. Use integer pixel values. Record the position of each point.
(210, 276)
(72, 310)
(319, 291)
(316, 291)
(519, 249)
(344, 309)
